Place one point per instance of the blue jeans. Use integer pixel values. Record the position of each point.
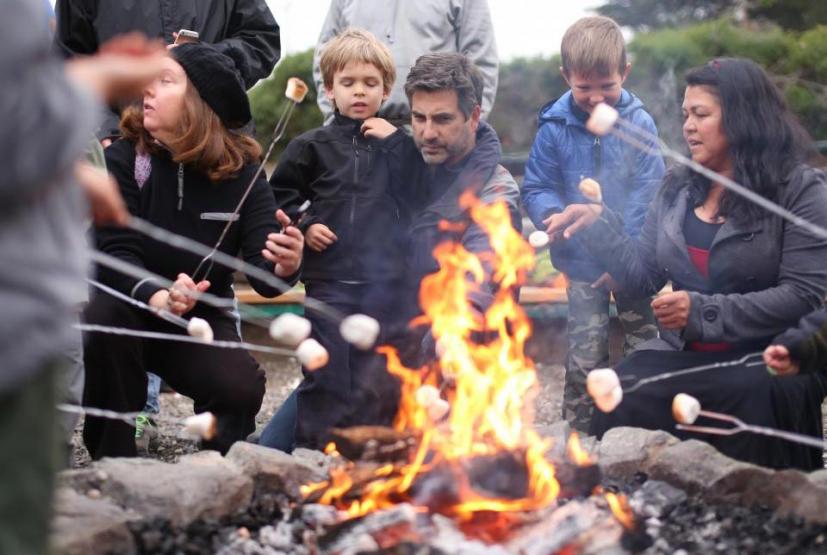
(280, 432)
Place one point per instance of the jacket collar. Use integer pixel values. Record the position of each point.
(564, 108)
(348, 125)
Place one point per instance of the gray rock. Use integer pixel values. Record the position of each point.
(790, 492)
(272, 470)
(656, 499)
(624, 451)
(314, 458)
(203, 485)
(278, 537)
(84, 526)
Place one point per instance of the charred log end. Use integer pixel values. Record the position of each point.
(372, 443)
(577, 481)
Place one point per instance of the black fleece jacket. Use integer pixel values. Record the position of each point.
(352, 185)
(198, 210)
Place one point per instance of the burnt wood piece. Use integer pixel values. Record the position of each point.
(372, 443)
(577, 481)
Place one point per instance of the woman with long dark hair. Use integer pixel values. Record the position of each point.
(184, 165)
(739, 274)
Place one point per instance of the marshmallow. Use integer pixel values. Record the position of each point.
(591, 190)
(311, 354)
(290, 329)
(604, 388)
(685, 408)
(296, 90)
(427, 395)
(360, 330)
(202, 425)
(200, 328)
(602, 119)
(538, 239)
(438, 410)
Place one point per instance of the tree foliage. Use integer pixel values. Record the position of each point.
(645, 15)
(267, 100)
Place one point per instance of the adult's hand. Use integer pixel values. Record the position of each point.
(378, 128)
(284, 249)
(319, 237)
(571, 220)
(778, 359)
(122, 67)
(181, 297)
(105, 199)
(672, 309)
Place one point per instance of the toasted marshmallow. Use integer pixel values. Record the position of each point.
(200, 328)
(438, 410)
(601, 381)
(538, 239)
(202, 425)
(311, 354)
(296, 90)
(427, 395)
(602, 119)
(360, 330)
(591, 190)
(685, 408)
(609, 401)
(290, 329)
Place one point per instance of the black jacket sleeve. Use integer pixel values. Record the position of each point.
(292, 180)
(123, 243)
(75, 33)
(253, 30)
(807, 343)
(258, 219)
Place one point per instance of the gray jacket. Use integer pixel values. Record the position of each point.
(763, 276)
(411, 28)
(46, 126)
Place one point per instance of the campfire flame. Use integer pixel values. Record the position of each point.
(490, 385)
(621, 510)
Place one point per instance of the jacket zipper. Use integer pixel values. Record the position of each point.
(598, 157)
(355, 183)
(180, 186)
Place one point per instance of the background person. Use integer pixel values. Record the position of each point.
(411, 29)
(739, 274)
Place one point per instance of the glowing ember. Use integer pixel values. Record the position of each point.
(488, 386)
(621, 510)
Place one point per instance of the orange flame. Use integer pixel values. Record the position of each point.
(621, 510)
(489, 386)
(576, 453)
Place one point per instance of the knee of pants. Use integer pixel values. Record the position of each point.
(244, 394)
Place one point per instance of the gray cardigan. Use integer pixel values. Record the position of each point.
(763, 276)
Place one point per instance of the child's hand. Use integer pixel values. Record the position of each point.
(777, 358)
(378, 128)
(318, 237)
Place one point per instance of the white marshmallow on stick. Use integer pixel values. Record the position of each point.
(604, 388)
(685, 408)
(200, 328)
(203, 425)
(538, 239)
(591, 190)
(290, 329)
(360, 330)
(427, 395)
(296, 90)
(311, 354)
(602, 119)
(438, 410)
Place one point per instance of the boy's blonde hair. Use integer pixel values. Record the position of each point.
(593, 46)
(356, 45)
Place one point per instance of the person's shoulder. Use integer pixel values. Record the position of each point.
(120, 153)
(801, 179)
(632, 107)
(501, 185)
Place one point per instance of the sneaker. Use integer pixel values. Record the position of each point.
(145, 432)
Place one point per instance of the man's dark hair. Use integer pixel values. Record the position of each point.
(447, 71)
(765, 139)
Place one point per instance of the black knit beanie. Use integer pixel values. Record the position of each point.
(216, 78)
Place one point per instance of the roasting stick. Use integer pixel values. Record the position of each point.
(202, 424)
(94, 328)
(605, 119)
(163, 314)
(686, 410)
(752, 359)
(296, 91)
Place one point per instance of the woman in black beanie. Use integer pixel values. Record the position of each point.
(183, 166)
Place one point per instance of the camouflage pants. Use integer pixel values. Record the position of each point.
(588, 341)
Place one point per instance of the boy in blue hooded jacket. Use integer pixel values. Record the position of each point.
(594, 62)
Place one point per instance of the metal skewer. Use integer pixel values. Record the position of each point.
(752, 359)
(740, 426)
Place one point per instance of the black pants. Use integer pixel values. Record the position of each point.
(354, 387)
(226, 382)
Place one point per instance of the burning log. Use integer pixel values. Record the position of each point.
(372, 443)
